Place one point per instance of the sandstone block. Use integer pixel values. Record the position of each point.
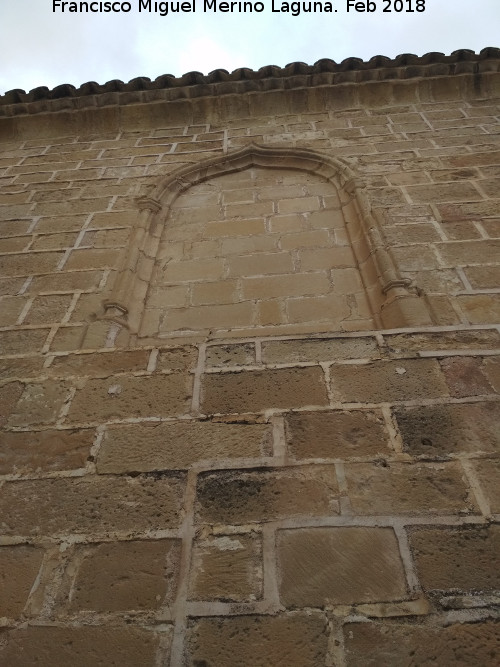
(26, 264)
(14, 244)
(483, 277)
(19, 566)
(10, 394)
(299, 205)
(14, 227)
(40, 403)
(222, 291)
(80, 646)
(316, 238)
(491, 369)
(389, 645)
(336, 434)
(247, 227)
(132, 575)
(199, 269)
(270, 312)
(295, 640)
(72, 207)
(176, 446)
(34, 451)
(227, 568)
(389, 381)
(66, 282)
(407, 488)
(54, 241)
(326, 258)
(480, 308)
(114, 219)
(464, 376)
(239, 497)
(93, 259)
(63, 223)
(294, 284)
(467, 558)
(330, 308)
(98, 364)
(199, 318)
(488, 471)
(253, 391)
(444, 340)
(130, 396)
(286, 223)
(20, 340)
(415, 258)
(436, 431)
(20, 367)
(469, 252)
(325, 566)
(443, 192)
(177, 358)
(261, 264)
(67, 339)
(84, 505)
(48, 309)
(253, 209)
(230, 355)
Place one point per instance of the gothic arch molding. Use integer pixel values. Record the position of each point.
(393, 300)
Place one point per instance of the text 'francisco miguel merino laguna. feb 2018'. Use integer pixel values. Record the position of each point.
(241, 6)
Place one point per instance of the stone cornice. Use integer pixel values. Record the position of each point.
(271, 78)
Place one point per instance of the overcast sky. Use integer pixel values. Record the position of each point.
(40, 47)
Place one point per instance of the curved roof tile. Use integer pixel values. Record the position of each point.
(270, 77)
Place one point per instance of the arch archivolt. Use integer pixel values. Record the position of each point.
(169, 222)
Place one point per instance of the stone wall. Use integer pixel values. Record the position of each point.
(249, 376)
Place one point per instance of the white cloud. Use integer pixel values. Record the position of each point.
(39, 47)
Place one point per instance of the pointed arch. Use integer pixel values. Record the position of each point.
(393, 301)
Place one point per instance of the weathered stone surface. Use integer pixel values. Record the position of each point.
(153, 446)
(48, 309)
(40, 403)
(466, 559)
(436, 431)
(9, 396)
(177, 358)
(444, 340)
(464, 376)
(101, 364)
(389, 381)
(121, 576)
(321, 349)
(336, 434)
(491, 368)
(389, 645)
(227, 568)
(19, 566)
(98, 646)
(230, 355)
(88, 505)
(132, 396)
(488, 471)
(32, 451)
(239, 497)
(407, 488)
(20, 367)
(324, 566)
(295, 640)
(260, 390)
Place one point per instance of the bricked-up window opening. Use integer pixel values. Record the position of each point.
(256, 248)
(260, 240)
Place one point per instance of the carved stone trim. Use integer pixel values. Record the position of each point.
(129, 291)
